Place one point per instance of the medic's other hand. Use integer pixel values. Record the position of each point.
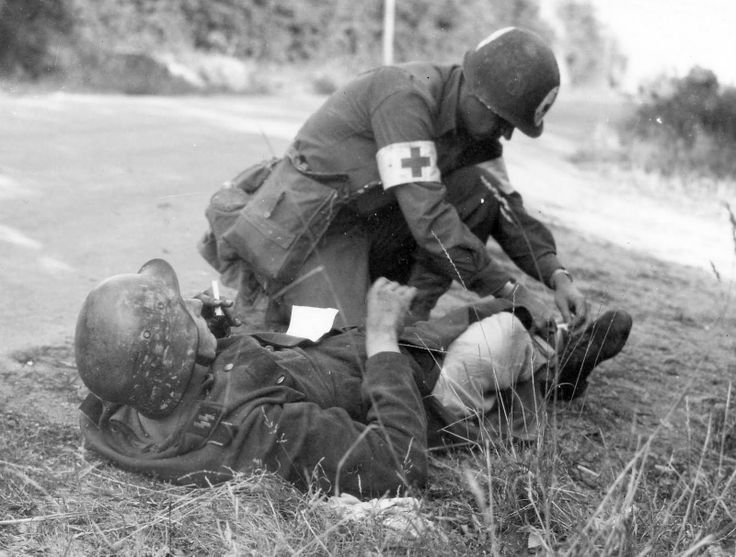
(572, 304)
(387, 305)
(543, 317)
(219, 322)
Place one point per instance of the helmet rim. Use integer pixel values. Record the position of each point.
(135, 341)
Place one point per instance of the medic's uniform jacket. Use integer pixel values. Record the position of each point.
(316, 414)
(392, 135)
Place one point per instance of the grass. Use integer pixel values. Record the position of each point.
(645, 464)
(601, 479)
(569, 493)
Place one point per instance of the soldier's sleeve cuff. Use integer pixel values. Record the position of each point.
(548, 264)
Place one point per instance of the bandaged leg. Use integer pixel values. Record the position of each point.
(492, 357)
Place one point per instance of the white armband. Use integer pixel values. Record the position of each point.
(406, 162)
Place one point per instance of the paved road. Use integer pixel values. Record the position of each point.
(95, 185)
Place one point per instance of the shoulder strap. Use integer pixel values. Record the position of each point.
(92, 408)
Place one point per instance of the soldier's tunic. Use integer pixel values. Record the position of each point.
(317, 414)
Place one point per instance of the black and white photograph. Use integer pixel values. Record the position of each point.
(391, 277)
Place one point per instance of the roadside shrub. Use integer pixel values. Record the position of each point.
(73, 38)
(323, 84)
(30, 35)
(684, 126)
(131, 73)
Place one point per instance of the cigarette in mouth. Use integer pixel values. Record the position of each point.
(216, 296)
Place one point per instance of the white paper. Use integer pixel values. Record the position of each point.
(311, 323)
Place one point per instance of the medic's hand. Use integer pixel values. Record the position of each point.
(572, 304)
(543, 318)
(387, 305)
(218, 314)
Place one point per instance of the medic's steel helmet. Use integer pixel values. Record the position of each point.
(514, 73)
(135, 342)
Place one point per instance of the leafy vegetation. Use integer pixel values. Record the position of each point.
(90, 42)
(684, 127)
(589, 54)
(28, 30)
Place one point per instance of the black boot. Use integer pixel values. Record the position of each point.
(601, 340)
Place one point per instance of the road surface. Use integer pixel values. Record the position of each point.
(94, 185)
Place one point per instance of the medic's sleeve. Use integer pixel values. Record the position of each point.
(526, 240)
(455, 252)
(410, 169)
(407, 164)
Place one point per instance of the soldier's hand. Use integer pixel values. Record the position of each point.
(387, 305)
(572, 303)
(218, 314)
(543, 317)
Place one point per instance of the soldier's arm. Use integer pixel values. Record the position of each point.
(384, 453)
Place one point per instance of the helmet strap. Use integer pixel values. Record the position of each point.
(203, 360)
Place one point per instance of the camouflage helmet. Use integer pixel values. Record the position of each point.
(135, 341)
(514, 73)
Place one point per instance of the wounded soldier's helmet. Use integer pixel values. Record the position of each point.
(135, 341)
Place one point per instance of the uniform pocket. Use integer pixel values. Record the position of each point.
(282, 223)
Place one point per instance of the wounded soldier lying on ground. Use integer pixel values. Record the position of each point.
(354, 412)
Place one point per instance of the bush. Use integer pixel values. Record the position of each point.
(130, 73)
(282, 31)
(75, 38)
(685, 126)
(27, 29)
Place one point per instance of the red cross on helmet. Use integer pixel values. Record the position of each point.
(515, 74)
(135, 342)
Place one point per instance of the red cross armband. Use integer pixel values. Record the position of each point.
(406, 162)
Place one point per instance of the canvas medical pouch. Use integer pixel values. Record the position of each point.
(283, 221)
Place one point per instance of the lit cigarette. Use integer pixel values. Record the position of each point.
(216, 296)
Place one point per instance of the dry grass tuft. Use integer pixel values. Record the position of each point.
(74, 504)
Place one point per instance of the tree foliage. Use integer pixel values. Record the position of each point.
(589, 54)
(28, 30)
(685, 107)
(274, 31)
(314, 30)
(690, 123)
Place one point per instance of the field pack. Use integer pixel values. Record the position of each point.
(266, 222)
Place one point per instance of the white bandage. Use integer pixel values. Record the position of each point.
(493, 354)
(406, 162)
